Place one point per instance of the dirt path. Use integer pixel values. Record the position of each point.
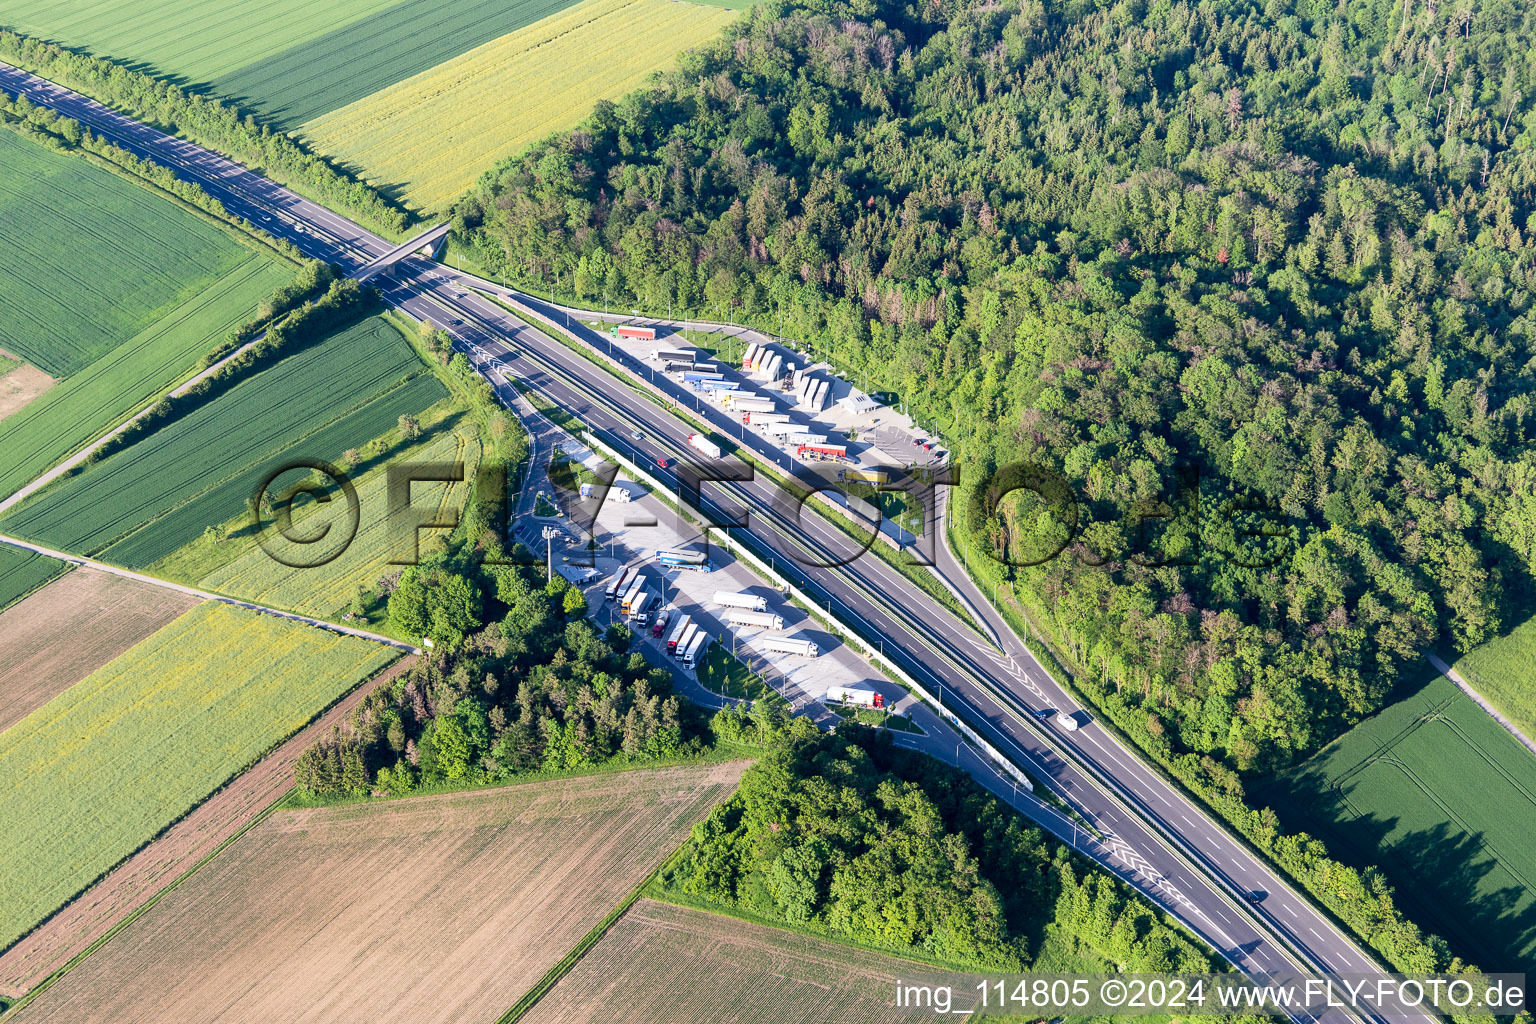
(206, 595)
(142, 876)
(1493, 712)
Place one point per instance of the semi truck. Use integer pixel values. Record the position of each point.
(736, 401)
(660, 625)
(695, 649)
(805, 438)
(823, 452)
(704, 446)
(677, 633)
(617, 584)
(758, 419)
(616, 492)
(637, 608)
(750, 355)
(855, 696)
(732, 599)
(674, 559)
(633, 331)
(636, 588)
(676, 355)
(790, 645)
(762, 620)
(867, 476)
(699, 376)
(686, 639)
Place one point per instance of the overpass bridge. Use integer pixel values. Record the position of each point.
(425, 243)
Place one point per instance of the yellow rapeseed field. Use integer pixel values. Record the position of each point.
(433, 134)
(327, 590)
(99, 770)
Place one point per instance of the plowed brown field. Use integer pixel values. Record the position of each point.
(667, 963)
(64, 632)
(130, 885)
(432, 909)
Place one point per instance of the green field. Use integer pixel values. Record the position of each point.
(98, 771)
(190, 40)
(1444, 800)
(88, 260)
(317, 402)
(22, 572)
(1504, 672)
(429, 136)
(327, 590)
(103, 394)
(356, 60)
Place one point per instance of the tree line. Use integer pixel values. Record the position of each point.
(206, 121)
(847, 835)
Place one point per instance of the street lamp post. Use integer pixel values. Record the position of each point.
(550, 533)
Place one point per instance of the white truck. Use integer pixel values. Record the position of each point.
(636, 588)
(704, 446)
(732, 599)
(677, 633)
(637, 609)
(744, 617)
(695, 648)
(1067, 720)
(686, 639)
(615, 493)
(855, 696)
(617, 584)
(790, 645)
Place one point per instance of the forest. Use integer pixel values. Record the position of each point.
(850, 836)
(519, 681)
(1252, 279)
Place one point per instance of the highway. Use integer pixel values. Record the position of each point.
(1170, 847)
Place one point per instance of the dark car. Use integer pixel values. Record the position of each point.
(1256, 896)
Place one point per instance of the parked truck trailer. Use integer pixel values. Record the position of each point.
(696, 649)
(856, 696)
(620, 581)
(677, 633)
(746, 617)
(734, 599)
(790, 645)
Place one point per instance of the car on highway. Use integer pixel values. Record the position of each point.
(1045, 713)
(637, 435)
(663, 463)
(1256, 896)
